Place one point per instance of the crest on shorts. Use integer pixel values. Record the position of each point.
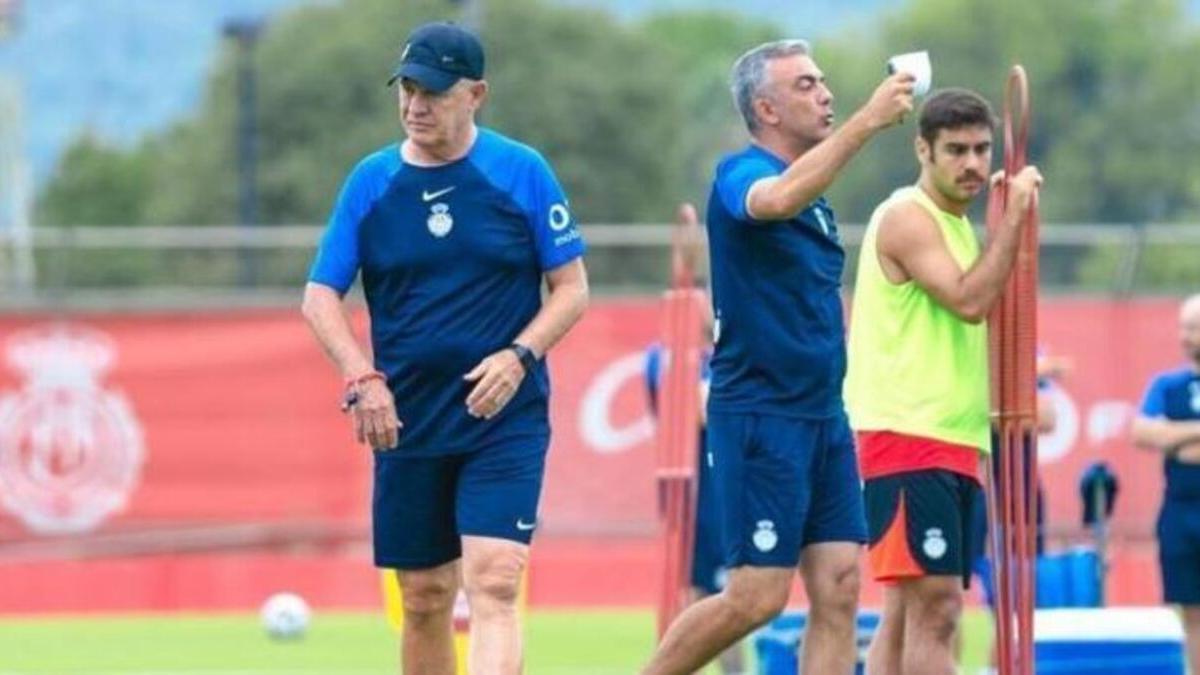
(70, 451)
(935, 545)
(439, 221)
(765, 538)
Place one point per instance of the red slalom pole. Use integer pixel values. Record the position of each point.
(1012, 341)
(678, 432)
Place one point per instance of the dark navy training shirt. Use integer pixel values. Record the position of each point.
(780, 335)
(1175, 395)
(451, 259)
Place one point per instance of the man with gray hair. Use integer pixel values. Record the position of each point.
(1169, 422)
(781, 456)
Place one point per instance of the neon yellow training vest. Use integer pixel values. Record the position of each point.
(914, 366)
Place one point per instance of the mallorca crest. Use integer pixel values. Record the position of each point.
(70, 451)
(440, 220)
(765, 537)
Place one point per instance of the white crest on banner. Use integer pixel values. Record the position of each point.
(70, 452)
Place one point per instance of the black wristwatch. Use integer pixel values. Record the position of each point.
(526, 356)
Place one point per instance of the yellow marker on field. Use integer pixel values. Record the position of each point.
(393, 599)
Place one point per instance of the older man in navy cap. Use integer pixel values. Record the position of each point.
(453, 231)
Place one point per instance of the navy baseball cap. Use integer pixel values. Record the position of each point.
(437, 55)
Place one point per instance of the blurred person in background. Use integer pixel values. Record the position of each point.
(784, 472)
(454, 231)
(917, 386)
(708, 573)
(1169, 423)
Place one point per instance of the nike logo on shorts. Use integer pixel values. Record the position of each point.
(524, 526)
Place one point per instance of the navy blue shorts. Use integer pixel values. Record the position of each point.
(781, 484)
(708, 569)
(920, 524)
(1179, 551)
(422, 506)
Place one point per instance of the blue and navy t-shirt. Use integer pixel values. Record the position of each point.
(779, 331)
(1175, 395)
(451, 259)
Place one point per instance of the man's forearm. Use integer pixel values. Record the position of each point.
(327, 318)
(812, 173)
(1165, 434)
(985, 281)
(563, 307)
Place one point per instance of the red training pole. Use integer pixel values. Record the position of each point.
(678, 432)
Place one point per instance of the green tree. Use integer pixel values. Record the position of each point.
(1114, 123)
(586, 90)
(631, 115)
(96, 184)
(593, 94)
(702, 47)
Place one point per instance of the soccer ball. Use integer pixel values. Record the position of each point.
(285, 616)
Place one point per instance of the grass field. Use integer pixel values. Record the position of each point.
(559, 643)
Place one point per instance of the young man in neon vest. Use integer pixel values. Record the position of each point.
(917, 381)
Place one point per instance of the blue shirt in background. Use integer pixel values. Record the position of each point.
(1175, 395)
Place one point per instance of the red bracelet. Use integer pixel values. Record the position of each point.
(352, 382)
(350, 398)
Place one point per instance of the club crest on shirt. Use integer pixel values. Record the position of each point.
(440, 222)
(1194, 390)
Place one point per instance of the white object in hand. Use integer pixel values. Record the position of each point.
(916, 64)
(285, 616)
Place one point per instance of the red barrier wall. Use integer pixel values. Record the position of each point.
(237, 421)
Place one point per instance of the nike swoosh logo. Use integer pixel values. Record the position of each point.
(430, 196)
(524, 526)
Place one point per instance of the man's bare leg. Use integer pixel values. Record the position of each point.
(887, 646)
(732, 661)
(427, 642)
(753, 597)
(831, 579)
(932, 609)
(1191, 630)
(492, 573)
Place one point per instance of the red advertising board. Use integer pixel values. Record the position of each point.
(122, 424)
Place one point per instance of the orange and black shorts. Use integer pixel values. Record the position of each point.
(919, 523)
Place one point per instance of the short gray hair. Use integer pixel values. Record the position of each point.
(749, 71)
(1190, 306)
